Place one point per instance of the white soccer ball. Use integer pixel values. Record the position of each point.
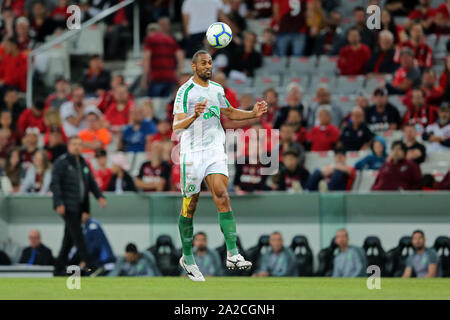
(219, 35)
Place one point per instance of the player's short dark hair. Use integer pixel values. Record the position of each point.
(131, 247)
(418, 231)
(199, 52)
(340, 150)
(399, 143)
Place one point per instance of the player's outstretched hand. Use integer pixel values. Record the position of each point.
(199, 108)
(260, 108)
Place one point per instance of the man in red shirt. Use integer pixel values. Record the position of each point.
(163, 60)
(103, 173)
(398, 173)
(32, 117)
(423, 54)
(421, 114)
(324, 136)
(354, 56)
(117, 114)
(425, 13)
(13, 66)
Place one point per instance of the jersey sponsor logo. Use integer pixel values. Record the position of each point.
(213, 111)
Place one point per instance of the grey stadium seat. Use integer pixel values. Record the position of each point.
(303, 65)
(327, 65)
(349, 84)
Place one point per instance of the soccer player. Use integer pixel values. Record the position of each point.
(197, 108)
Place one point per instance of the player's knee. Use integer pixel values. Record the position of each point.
(222, 197)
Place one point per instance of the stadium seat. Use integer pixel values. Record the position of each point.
(396, 257)
(375, 253)
(302, 80)
(349, 84)
(222, 251)
(327, 65)
(442, 247)
(354, 156)
(90, 41)
(303, 65)
(255, 253)
(390, 136)
(139, 159)
(327, 80)
(372, 84)
(273, 65)
(326, 257)
(303, 254)
(364, 180)
(166, 255)
(268, 81)
(314, 160)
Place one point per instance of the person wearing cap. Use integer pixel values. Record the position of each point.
(103, 173)
(438, 133)
(136, 264)
(94, 136)
(32, 118)
(398, 173)
(382, 115)
(61, 95)
(291, 175)
(120, 181)
(334, 177)
(407, 76)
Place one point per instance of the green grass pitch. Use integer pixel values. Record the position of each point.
(178, 288)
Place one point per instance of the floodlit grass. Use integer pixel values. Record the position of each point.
(178, 288)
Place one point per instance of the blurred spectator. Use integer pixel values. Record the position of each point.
(382, 115)
(196, 22)
(163, 61)
(230, 94)
(356, 135)
(325, 135)
(268, 42)
(29, 146)
(41, 23)
(154, 175)
(95, 136)
(272, 115)
(32, 118)
(207, 260)
(375, 160)
(445, 183)
(11, 102)
(442, 18)
(134, 136)
(236, 17)
(13, 67)
(38, 176)
(350, 262)
(289, 22)
(423, 54)
(61, 95)
(118, 112)
(117, 24)
(398, 173)
(96, 78)
(381, 61)
(279, 261)
(120, 181)
(59, 14)
(245, 59)
(388, 24)
(295, 120)
(136, 264)
(334, 177)
(97, 243)
(421, 114)
(354, 56)
(401, 8)
(55, 145)
(103, 173)
(407, 76)
(12, 249)
(328, 40)
(106, 98)
(291, 176)
(37, 253)
(164, 133)
(433, 92)
(4, 147)
(425, 14)
(6, 126)
(13, 168)
(259, 8)
(429, 183)
(6, 22)
(22, 29)
(415, 151)
(293, 99)
(148, 111)
(315, 17)
(323, 97)
(424, 262)
(73, 112)
(438, 133)
(444, 79)
(287, 142)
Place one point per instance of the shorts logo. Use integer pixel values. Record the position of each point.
(190, 188)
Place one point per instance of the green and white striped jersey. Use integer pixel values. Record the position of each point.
(206, 131)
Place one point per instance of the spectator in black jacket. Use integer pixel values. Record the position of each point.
(120, 181)
(96, 78)
(292, 176)
(36, 253)
(245, 58)
(382, 59)
(71, 182)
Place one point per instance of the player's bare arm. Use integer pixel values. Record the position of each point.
(235, 114)
(182, 121)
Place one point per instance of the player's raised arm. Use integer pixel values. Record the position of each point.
(235, 114)
(182, 121)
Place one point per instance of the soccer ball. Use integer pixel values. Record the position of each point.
(219, 35)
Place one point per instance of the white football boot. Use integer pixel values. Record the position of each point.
(237, 262)
(192, 271)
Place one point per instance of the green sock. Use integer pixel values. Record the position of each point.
(228, 227)
(185, 225)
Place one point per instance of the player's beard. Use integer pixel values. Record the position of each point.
(204, 76)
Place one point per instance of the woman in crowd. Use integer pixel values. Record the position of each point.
(38, 176)
(120, 181)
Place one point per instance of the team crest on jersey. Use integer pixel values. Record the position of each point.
(190, 188)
